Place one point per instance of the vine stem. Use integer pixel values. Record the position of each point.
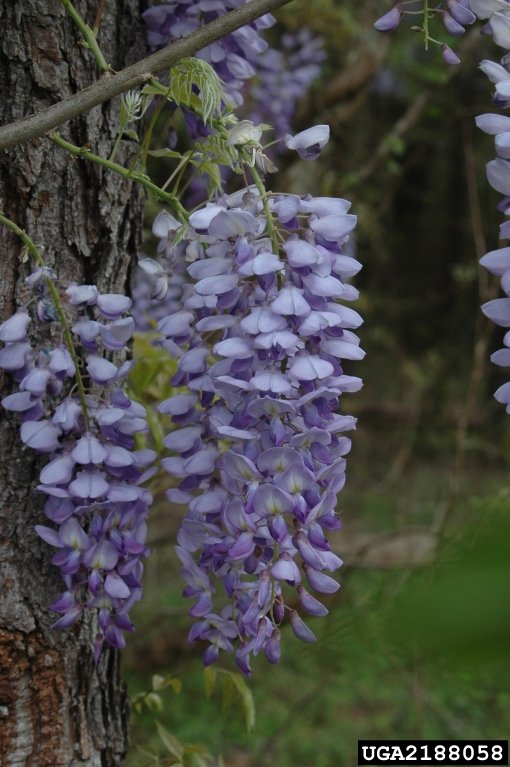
(426, 23)
(179, 170)
(265, 202)
(117, 142)
(133, 76)
(143, 149)
(141, 178)
(88, 36)
(33, 249)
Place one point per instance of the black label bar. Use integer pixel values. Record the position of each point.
(433, 752)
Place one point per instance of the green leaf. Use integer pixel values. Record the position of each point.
(171, 743)
(192, 74)
(228, 694)
(212, 171)
(166, 153)
(123, 114)
(396, 145)
(196, 756)
(151, 90)
(216, 148)
(156, 429)
(132, 134)
(199, 761)
(246, 698)
(175, 684)
(149, 378)
(209, 680)
(153, 702)
(237, 682)
(154, 757)
(160, 682)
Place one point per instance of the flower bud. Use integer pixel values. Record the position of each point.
(390, 21)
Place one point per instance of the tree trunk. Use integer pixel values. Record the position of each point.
(56, 709)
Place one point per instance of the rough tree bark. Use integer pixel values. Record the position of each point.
(56, 709)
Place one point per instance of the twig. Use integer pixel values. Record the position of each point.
(141, 178)
(88, 35)
(134, 76)
(99, 16)
(269, 217)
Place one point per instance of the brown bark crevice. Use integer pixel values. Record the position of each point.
(56, 708)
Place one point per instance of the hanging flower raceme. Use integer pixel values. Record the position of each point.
(84, 422)
(496, 14)
(455, 16)
(154, 296)
(232, 57)
(498, 174)
(278, 78)
(259, 445)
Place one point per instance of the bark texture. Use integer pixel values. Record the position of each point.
(56, 709)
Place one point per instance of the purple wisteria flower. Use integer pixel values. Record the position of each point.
(86, 425)
(449, 56)
(497, 262)
(390, 20)
(259, 447)
(154, 294)
(310, 142)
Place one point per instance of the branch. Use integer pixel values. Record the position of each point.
(134, 76)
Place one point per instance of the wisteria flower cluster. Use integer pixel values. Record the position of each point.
(259, 446)
(455, 16)
(278, 78)
(86, 425)
(498, 174)
(154, 294)
(496, 14)
(232, 57)
(158, 284)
